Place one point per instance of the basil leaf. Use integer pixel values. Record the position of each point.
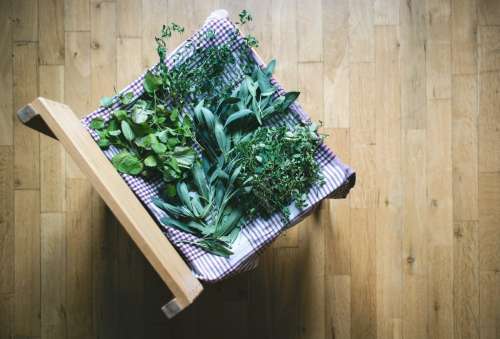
(150, 161)
(128, 163)
(151, 82)
(159, 148)
(97, 123)
(106, 101)
(126, 98)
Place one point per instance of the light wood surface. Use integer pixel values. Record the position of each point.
(408, 91)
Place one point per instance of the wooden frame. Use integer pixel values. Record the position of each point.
(58, 121)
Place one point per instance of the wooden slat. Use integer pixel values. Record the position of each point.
(490, 304)
(336, 63)
(489, 217)
(6, 220)
(464, 36)
(389, 222)
(361, 30)
(489, 53)
(309, 24)
(25, 20)
(415, 246)
(363, 275)
(51, 34)
(489, 12)
(52, 155)
(412, 56)
(53, 274)
(466, 280)
(7, 315)
(386, 12)
(338, 306)
(27, 264)
(154, 12)
(77, 83)
(26, 141)
(362, 107)
(464, 147)
(129, 18)
(6, 81)
(78, 257)
(284, 37)
(284, 289)
(489, 120)
(311, 288)
(260, 299)
(103, 51)
(76, 15)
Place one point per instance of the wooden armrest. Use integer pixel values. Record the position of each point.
(58, 121)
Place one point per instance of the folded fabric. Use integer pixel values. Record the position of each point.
(257, 233)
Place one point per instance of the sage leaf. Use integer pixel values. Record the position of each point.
(127, 130)
(106, 101)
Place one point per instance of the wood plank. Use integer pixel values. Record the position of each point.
(104, 262)
(386, 12)
(337, 215)
(363, 275)
(489, 217)
(464, 36)
(466, 280)
(309, 24)
(361, 30)
(154, 12)
(489, 48)
(103, 50)
(52, 155)
(77, 83)
(441, 315)
(311, 90)
(489, 12)
(129, 18)
(389, 214)
(76, 15)
(285, 42)
(490, 304)
(128, 61)
(311, 286)
(336, 63)
(7, 316)
(284, 289)
(413, 35)
(363, 158)
(415, 248)
(53, 267)
(78, 258)
(439, 173)
(489, 120)
(338, 306)
(388, 113)
(26, 141)
(51, 34)
(25, 20)
(464, 147)
(362, 104)
(6, 81)
(27, 264)
(260, 305)
(6, 220)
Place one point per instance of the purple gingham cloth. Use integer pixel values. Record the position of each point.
(258, 233)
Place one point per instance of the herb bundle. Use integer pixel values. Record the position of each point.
(210, 193)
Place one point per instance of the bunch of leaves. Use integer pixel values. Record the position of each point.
(279, 166)
(207, 206)
(226, 123)
(153, 140)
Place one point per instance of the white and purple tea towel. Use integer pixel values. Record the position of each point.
(258, 233)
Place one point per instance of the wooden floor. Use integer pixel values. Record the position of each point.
(409, 92)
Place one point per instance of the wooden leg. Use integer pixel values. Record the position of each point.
(30, 118)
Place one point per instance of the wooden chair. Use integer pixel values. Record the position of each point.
(59, 122)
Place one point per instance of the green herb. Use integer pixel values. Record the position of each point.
(280, 167)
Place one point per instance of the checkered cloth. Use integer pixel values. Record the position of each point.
(258, 233)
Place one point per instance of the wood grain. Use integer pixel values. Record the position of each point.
(408, 93)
